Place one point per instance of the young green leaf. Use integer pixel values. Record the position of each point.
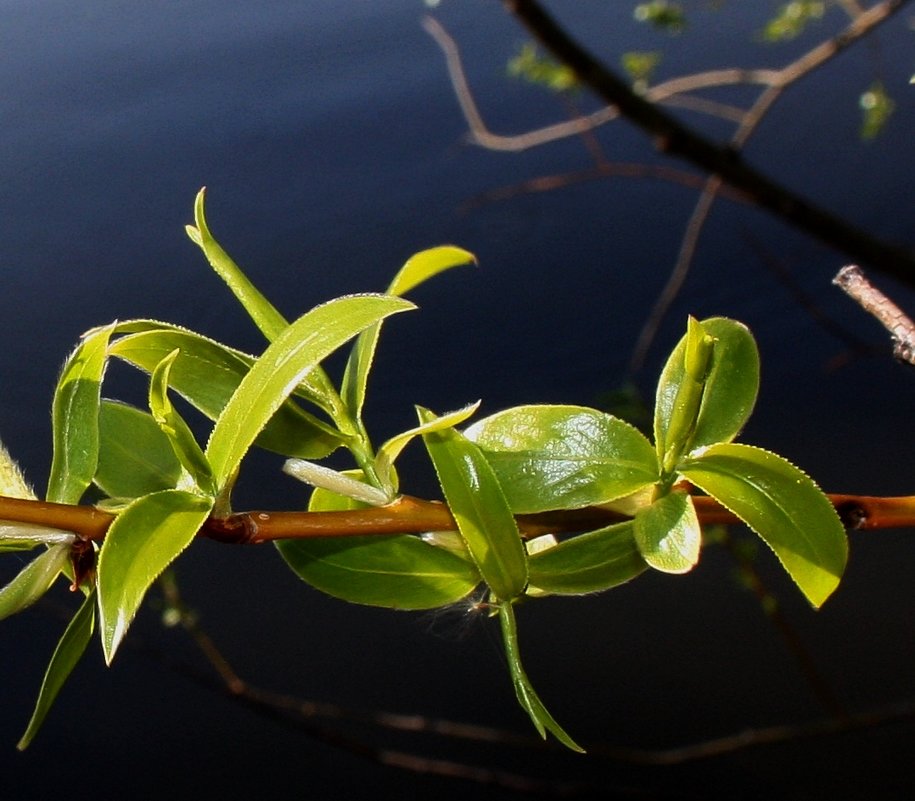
(712, 400)
(67, 653)
(398, 572)
(135, 457)
(563, 457)
(592, 562)
(262, 312)
(143, 540)
(541, 718)
(668, 534)
(417, 269)
(782, 505)
(206, 373)
(179, 435)
(479, 507)
(283, 366)
(390, 450)
(75, 418)
(34, 580)
(12, 482)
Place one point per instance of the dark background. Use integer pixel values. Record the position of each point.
(333, 148)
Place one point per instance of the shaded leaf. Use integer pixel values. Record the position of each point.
(135, 457)
(782, 505)
(479, 507)
(592, 562)
(67, 653)
(563, 457)
(206, 373)
(142, 541)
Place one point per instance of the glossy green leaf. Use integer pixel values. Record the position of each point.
(281, 368)
(479, 507)
(668, 534)
(75, 418)
(143, 540)
(781, 504)
(692, 413)
(563, 457)
(524, 691)
(135, 457)
(398, 572)
(390, 450)
(25, 536)
(592, 562)
(417, 269)
(206, 373)
(33, 581)
(177, 431)
(67, 653)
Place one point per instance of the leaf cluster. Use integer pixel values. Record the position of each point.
(163, 485)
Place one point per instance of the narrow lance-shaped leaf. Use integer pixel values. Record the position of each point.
(33, 581)
(67, 653)
(177, 431)
(483, 516)
(265, 316)
(206, 373)
(283, 365)
(75, 418)
(563, 457)
(524, 691)
(592, 562)
(782, 505)
(142, 541)
(12, 481)
(417, 269)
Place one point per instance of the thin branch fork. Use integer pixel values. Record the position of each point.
(676, 139)
(409, 515)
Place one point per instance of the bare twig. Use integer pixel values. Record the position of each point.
(854, 283)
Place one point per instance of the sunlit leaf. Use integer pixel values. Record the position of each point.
(281, 368)
(135, 457)
(792, 19)
(142, 541)
(668, 534)
(876, 109)
(67, 653)
(662, 14)
(33, 581)
(177, 431)
(417, 269)
(691, 413)
(782, 505)
(390, 450)
(479, 507)
(563, 457)
(524, 691)
(12, 481)
(537, 68)
(592, 562)
(398, 572)
(75, 418)
(206, 373)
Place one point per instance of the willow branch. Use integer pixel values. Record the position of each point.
(676, 139)
(409, 515)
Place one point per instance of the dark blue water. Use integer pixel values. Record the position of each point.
(333, 148)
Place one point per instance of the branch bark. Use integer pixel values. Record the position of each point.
(674, 138)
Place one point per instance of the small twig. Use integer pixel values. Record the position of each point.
(854, 283)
